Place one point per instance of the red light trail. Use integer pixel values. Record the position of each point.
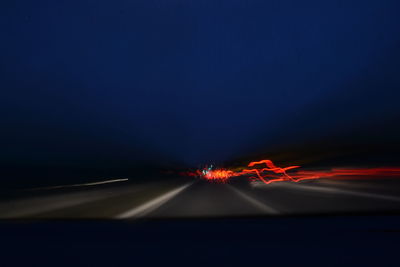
(268, 173)
(218, 175)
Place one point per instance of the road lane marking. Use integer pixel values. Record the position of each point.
(152, 204)
(255, 202)
(344, 192)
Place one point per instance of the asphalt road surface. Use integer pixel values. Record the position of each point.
(200, 199)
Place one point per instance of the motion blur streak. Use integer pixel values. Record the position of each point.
(152, 204)
(222, 175)
(333, 190)
(78, 185)
(347, 173)
(273, 173)
(255, 202)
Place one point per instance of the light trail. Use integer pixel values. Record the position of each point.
(267, 172)
(78, 185)
(223, 175)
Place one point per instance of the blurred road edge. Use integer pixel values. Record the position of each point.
(152, 204)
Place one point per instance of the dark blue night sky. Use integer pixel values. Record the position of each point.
(100, 82)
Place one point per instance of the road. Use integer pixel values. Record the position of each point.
(198, 199)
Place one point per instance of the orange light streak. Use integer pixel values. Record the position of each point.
(272, 173)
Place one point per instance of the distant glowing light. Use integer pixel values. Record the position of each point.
(219, 175)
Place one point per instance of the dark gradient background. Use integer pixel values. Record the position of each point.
(110, 87)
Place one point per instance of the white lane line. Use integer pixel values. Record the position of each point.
(345, 192)
(77, 185)
(152, 204)
(255, 202)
